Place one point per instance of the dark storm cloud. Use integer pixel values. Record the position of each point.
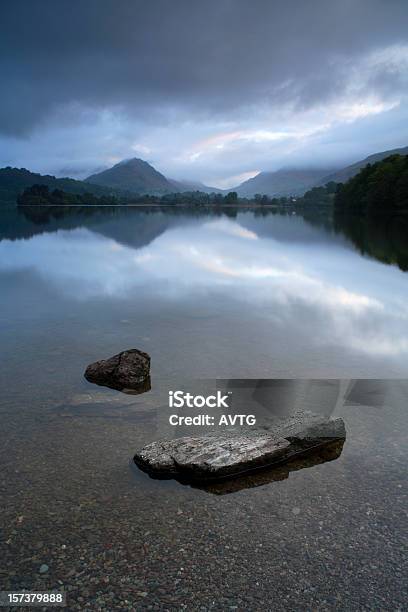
(148, 59)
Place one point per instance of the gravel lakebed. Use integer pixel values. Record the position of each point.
(77, 516)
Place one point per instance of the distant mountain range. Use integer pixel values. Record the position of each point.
(293, 182)
(137, 176)
(281, 183)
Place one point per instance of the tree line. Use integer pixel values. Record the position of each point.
(378, 189)
(41, 195)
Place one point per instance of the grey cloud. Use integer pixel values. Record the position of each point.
(211, 58)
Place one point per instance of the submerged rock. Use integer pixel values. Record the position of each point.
(128, 371)
(225, 455)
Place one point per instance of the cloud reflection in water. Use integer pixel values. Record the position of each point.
(352, 301)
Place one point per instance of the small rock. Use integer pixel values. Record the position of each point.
(127, 371)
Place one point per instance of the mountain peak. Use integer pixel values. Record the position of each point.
(135, 175)
(132, 161)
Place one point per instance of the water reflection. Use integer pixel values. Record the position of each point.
(385, 239)
(298, 282)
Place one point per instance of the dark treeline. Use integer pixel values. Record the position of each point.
(378, 189)
(318, 196)
(321, 195)
(41, 195)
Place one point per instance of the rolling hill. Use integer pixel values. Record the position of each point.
(285, 182)
(13, 181)
(194, 186)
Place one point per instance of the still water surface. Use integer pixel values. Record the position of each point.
(206, 295)
(231, 294)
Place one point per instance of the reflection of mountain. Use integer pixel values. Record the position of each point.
(145, 228)
(131, 226)
(138, 226)
(386, 241)
(288, 227)
(146, 223)
(16, 224)
(110, 222)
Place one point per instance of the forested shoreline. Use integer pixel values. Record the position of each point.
(379, 189)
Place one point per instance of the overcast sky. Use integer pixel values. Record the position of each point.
(214, 91)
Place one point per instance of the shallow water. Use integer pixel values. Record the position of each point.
(207, 296)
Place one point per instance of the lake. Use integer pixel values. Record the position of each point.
(208, 294)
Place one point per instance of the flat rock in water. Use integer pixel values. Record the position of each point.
(273, 473)
(229, 454)
(126, 371)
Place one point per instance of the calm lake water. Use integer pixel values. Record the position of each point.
(226, 294)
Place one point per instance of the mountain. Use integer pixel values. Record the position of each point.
(341, 176)
(138, 176)
(194, 186)
(284, 182)
(134, 175)
(13, 181)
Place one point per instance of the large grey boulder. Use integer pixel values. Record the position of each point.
(127, 371)
(224, 455)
